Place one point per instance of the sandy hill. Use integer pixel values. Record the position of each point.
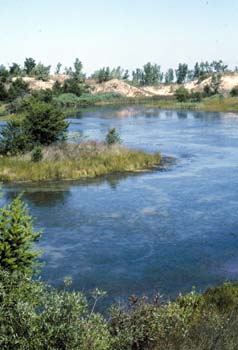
(229, 80)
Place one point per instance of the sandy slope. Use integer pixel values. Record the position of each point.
(123, 88)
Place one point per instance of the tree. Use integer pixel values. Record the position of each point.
(14, 139)
(17, 238)
(77, 73)
(71, 86)
(181, 73)
(18, 88)
(58, 68)
(29, 65)
(152, 74)
(44, 123)
(4, 74)
(197, 71)
(138, 77)
(215, 83)
(169, 76)
(41, 72)
(112, 137)
(15, 70)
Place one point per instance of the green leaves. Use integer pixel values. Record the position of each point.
(17, 238)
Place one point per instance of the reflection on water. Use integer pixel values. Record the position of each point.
(143, 233)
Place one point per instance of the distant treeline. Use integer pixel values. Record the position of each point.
(149, 74)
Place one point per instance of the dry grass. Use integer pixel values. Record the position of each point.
(72, 161)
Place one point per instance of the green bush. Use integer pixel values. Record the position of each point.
(36, 154)
(182, 94)
(43, 124)
(14, 139)
(112, 137)
(18, 88)
(234, 91)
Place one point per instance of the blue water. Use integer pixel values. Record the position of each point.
(163, 231)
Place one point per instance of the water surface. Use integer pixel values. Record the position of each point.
(152, 232)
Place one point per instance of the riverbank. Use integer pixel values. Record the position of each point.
(71, 107)
(73, 161)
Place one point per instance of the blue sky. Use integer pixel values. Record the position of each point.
(125, 33)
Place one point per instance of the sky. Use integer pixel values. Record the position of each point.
(126, 33)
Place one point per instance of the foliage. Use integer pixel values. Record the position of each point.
(3, 92)
(112, 137)
(17, 238)
(150, 75)
(181, 73)
(72, 86)
(45, 95)
(29, 65)
(234, 91)
(182, 94)
(15, 70)
(105, 74)
(36, 155)
(18, 88)
(58, 68)
(41, 72)
(44, 123)
(169, 76)
(14, 139)
(33, 316)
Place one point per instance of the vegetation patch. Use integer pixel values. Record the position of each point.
(74, 161)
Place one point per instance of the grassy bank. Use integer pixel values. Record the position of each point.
(209, 104)
(71, 161)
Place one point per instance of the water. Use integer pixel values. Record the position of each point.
(163, 231)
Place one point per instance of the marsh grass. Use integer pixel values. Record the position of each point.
(67, 161)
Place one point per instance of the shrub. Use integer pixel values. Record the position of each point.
(36, 155)
(112, 137)
(18, 88)
(182, 94)
(3, 92)
(44, 123)
(13, 138)
(73, 86)
(234, 91)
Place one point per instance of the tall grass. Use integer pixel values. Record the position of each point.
(75, 161)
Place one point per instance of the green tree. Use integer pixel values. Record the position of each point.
(15, 70)
(44, 124)
(17, 238)
(18, 88)
(78, 71)
(58, 68)
(14, 138)
(169, 76)
(71, 86)
(152, 74)
(181, 73)
(4, 73)
(41, 72)
(29, 65)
